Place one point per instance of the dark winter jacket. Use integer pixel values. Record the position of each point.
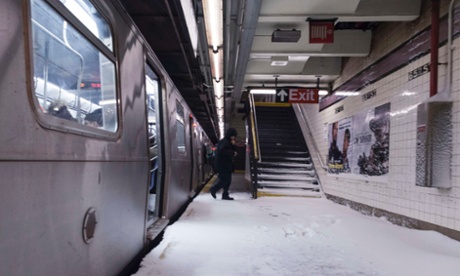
(225, 152)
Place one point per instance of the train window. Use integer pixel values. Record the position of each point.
(180, 127)
(91, 18)
(73, 79)
(152, 92)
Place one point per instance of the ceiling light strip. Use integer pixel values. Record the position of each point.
(214, 33)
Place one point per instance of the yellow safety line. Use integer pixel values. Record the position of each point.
(208, 185)
(268, 194)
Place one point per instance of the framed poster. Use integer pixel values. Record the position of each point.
(340, 152)
(371, 143)
(360, 145)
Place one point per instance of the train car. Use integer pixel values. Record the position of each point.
(97, 146)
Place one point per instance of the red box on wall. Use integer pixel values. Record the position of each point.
(321, 31)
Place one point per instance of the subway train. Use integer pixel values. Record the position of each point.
(98, 149)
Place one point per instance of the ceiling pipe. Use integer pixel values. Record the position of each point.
(434, 47)
(176, 30)
(251, 15)
(208, 81)
(204, 62)
(282, 83)
(236, 35)
(228, 11)
(209, 107)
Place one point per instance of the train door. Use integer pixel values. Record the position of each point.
(193, 155)
(152, 85)
(202, 158)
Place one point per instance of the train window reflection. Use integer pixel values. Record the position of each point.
(180, 128)
(152, 91)
(73, 80)
(91, 18)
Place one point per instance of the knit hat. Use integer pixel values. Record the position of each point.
(231, 132)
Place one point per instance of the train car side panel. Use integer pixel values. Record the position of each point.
(180, 163)
(47, 182)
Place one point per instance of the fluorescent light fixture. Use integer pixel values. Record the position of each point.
(218, 88)
(219, 104)
(346, 93)
(213, 20)
(263, 91)
(279, 61)
(323, 92)
(216, 64)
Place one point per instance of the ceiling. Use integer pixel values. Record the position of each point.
(248, 47)
(353, 19)
(163, 25)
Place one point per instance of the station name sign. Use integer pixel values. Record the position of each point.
(297, 95)
(419, 71)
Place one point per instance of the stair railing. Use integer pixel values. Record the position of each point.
(254, 155)
(254, 129)
(312, 139)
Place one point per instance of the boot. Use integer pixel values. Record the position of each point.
(213, 193)
(227, 197)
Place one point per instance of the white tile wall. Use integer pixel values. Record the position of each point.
(398, 193)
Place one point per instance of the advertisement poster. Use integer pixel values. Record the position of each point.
(371, 142)
(359, 145)
(340, 151)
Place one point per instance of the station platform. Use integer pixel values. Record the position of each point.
(293, 235)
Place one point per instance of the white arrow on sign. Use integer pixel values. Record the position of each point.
(282, 94)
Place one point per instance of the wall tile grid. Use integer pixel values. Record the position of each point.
(398, 194)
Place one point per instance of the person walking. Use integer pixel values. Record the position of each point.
(224, 164)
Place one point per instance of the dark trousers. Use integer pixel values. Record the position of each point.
(225, 179)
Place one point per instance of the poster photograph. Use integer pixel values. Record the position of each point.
(371, 142)
(360, 145)
(340, 152)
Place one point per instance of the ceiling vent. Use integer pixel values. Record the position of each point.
(286, 35)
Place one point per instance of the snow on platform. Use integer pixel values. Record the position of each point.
(294, 236)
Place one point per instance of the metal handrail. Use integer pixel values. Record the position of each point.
(254, 129)
(254, 155)
(312, 138)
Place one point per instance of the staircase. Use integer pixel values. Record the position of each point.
(285, 159)
(237, 122)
